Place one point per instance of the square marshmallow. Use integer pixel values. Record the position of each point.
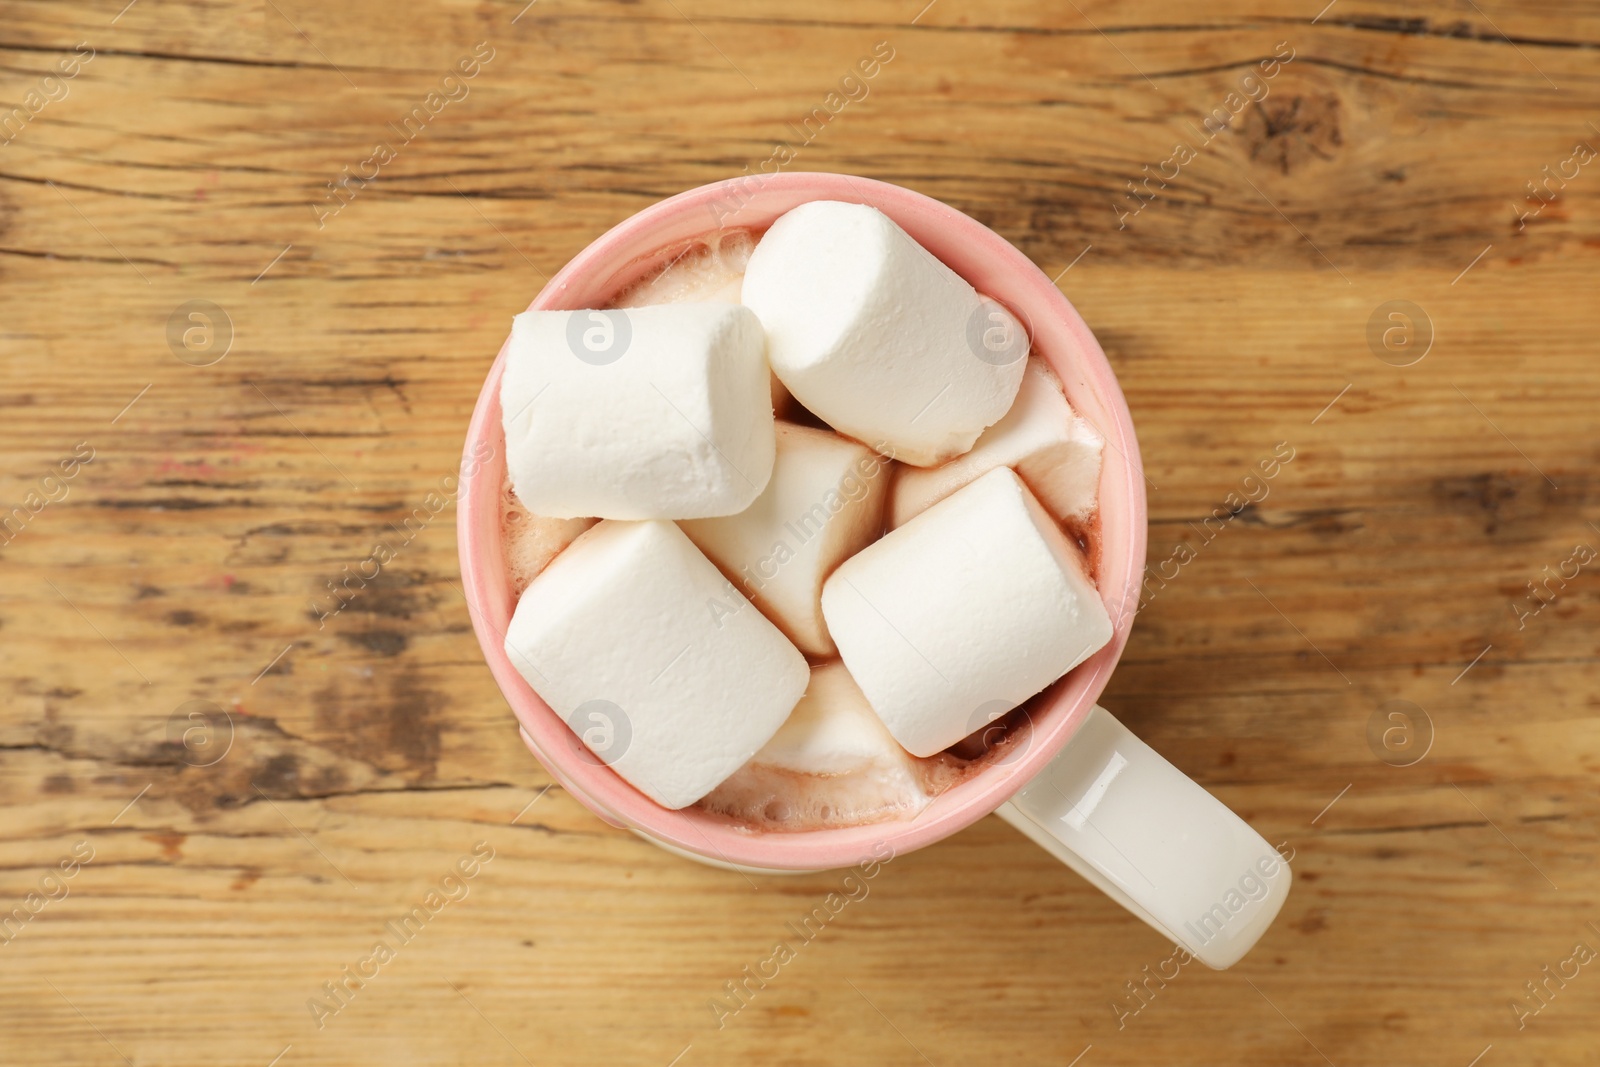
(878, 338)
(823, 504)
(668, 675)
(964, 612)
(644, 413)
(1054, 450)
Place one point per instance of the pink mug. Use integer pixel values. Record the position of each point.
(1083, 787)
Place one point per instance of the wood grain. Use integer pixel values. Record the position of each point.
(1388, 160)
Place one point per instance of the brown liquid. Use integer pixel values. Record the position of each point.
(708, 269)
(767, 799)
(531, 541)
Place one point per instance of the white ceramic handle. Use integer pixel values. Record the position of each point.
(1136, 827)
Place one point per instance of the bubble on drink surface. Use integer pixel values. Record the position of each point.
(992, 725)
(199, 333)
(203, 730)
(1399, 333)
(997, 335)
(601, 732)
(1399, 733)
(599, 338)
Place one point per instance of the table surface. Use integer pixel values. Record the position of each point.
(224, 867)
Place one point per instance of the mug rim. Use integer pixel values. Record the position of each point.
(629, 251)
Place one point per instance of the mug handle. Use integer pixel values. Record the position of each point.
(1153, 840)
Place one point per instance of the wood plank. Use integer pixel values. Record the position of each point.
(189, 160)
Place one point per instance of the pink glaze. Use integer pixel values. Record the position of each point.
(643, 243)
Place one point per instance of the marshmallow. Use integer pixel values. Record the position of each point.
(1053, 449)
(964, 612)
(532, 541)
(664, 671)
(823, 504)
(878, 338)
(831, 764)
(654, 412)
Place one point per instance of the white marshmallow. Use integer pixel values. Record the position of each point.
(877, 337)
(1053, 449)
(823, 504)
(831, 764)
(964, 612)
(669, 675)
(654, 412)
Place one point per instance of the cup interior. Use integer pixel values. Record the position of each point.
(642, 244)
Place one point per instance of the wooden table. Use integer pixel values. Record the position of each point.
(324, 393)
